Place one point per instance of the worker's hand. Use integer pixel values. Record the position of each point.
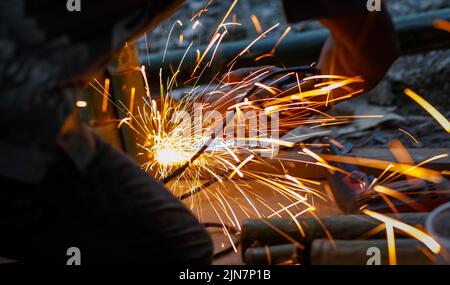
(360, 45)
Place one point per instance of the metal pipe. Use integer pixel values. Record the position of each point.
(416, 34)
(270, 232)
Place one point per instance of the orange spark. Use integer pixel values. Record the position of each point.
(323, 162)
(256, 23)
(133, 93)
(252, 43)
(409, 135)
(390, 236)
(210, 45)
(181, 40)
(202, 11)
(399, 196)
(430, 109)
(247, 160)
(265, 87)
(285, 33)
(442, 25)
(412, 231)
(414, 171)
(147, 88)
(321, 91)
(198, 56)
(123, 121)
(400, 152)
(225, 17)
(105, 95)
(263, 56)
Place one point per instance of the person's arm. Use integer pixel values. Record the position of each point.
(362, 43)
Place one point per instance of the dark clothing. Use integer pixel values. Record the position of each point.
(362, 43)
(112, 211)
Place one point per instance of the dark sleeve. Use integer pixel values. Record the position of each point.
(296, 10)
(362, 43)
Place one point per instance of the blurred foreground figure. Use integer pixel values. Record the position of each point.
(61, 186)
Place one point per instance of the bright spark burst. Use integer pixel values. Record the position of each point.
(169, 143)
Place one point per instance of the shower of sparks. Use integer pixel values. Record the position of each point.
(167, 146)
(170, 141)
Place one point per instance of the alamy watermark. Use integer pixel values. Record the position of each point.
(246, 129)
(374, 5)
(375, 256)
(74, 255)
(73, 5)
